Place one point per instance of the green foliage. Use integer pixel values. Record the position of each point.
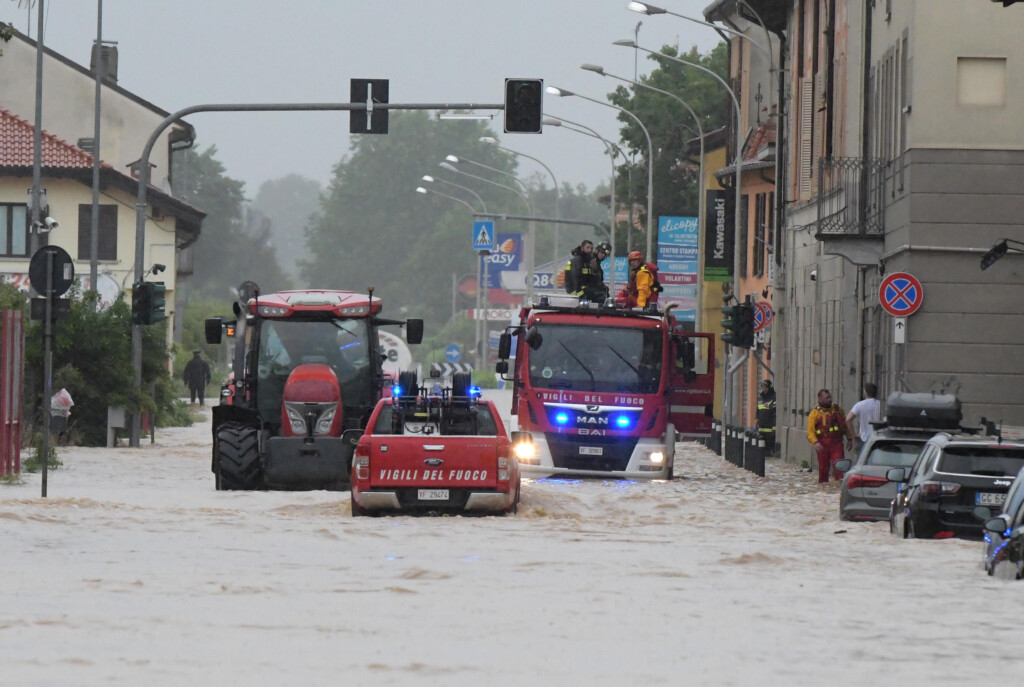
(288, 203)
(671, 128)
(92, 359)
(33, 464)
(6, 32)
(193, 338)
(11, 298)
(372, 228)
(234, 246)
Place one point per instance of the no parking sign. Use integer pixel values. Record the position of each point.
(900, 294)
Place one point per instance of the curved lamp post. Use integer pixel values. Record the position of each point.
(766, 50)
(650, 153)
(736, 210)
(612, 151)
(429, 179)
(700, 173)
(477, 326)
(558, 210)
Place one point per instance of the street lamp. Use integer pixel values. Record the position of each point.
(766, 50)
(612, 151)
(558, 210)
(529, 206)
(650, 154)
(429, 179)
(739, 165)
(476, 322)
(700, 133)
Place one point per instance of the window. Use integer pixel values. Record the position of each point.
(981, 81)
(13, 230)
(760, 238)
(744, 233)
(107, 246)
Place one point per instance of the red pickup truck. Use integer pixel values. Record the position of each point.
(433, 452)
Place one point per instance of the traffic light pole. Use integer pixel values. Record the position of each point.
(140, 205)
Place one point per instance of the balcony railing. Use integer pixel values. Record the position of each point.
(851, 196)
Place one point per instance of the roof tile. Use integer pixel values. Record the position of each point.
(16, 146)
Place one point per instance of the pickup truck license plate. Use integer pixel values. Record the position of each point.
(591, 450)
(433, 495)
(984, 498)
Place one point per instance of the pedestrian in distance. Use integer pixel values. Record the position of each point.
(866, 411)
(643, 286)
(197, 376)
(766, 415)
(577, 270)
(826, 429)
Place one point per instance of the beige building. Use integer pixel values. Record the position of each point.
(171, 226)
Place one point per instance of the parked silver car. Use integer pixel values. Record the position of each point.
(995, 541)
(866, 494)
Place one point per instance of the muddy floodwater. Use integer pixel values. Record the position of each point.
(135, 571)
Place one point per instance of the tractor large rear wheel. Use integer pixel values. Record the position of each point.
(238, 458)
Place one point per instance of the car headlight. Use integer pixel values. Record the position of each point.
(524, 450)
(657, 457)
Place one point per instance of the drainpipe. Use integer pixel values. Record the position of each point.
(859, 300)
(862, 206)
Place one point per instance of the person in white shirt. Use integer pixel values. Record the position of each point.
(866, 411)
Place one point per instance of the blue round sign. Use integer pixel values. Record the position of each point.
(453, 353)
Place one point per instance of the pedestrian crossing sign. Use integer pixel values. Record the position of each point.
(483, 235)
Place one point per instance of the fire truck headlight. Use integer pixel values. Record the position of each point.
(658, 457)
(525, 450)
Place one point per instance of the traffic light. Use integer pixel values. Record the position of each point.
(731, 324)
(157, 302)
(142, 302)
(149, 302)
(523, 105)
(745, 332)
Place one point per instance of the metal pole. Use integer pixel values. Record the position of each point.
(143, 183)
(486, 337)
(94, 228)
(47, 368)
(37, 140)
(477, 350)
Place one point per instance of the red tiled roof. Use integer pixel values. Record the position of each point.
(759, 137)
(16, 146)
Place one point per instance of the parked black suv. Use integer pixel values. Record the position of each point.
(953, 474)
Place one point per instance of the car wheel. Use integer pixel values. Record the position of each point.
(239, 467)
(910, 534)
(357, 510)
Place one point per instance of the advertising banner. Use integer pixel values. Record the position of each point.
(505, 258)
(718, 235)
(678, 255)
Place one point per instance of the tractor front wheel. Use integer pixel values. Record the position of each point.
(239, 467)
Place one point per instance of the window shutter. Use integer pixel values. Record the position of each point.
(806, 126)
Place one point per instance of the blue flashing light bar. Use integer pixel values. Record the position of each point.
(562, 418)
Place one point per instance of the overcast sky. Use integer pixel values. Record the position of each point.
(177, 53)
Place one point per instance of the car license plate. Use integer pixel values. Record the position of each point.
(984, 498)
(591, 450)
(433, 495)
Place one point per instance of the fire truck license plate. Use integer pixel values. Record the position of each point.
(433, 495)
(591, 450)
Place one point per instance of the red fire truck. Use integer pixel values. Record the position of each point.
(603, 391)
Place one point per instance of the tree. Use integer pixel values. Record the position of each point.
(671, 127)
(373, 229)
(288, 203)
(230, 249)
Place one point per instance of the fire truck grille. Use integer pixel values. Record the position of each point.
(615, 452)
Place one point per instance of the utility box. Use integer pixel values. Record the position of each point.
(115, 421)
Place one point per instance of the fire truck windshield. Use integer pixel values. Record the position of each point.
(606, 358)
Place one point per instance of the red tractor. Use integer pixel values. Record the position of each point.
(307, 375)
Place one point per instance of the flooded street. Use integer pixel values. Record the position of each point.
(136, 571)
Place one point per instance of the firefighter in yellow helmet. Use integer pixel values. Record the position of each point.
(643, 286)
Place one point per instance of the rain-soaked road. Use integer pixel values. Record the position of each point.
(136, 571)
